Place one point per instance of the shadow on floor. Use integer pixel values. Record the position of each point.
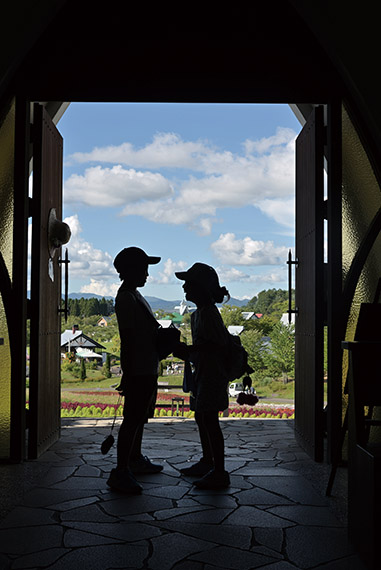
(57, 512)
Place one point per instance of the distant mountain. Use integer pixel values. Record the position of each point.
(88, 296)
(237, 302)
(155, 302)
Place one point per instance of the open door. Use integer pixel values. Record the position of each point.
(309, 286)
(45, 317)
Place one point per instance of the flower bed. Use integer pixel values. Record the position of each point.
(79, 409)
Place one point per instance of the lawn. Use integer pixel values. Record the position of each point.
(97, 397)
(94, 390)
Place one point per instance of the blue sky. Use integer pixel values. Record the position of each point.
(187, 182)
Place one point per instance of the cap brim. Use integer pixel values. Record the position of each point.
(153, 260)
(181, 275)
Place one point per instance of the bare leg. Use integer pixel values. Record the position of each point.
(136, 450)
(216, 439)
(135, 412)
(207, 453)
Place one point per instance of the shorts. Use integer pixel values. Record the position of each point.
(140, 397)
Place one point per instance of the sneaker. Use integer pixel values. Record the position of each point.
(197, 469)
(214, 480)
(142, 465)
(123, 481)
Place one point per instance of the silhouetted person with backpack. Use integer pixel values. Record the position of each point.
(139, 362)
(208, 383)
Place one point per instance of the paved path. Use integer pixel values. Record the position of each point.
(58, 512)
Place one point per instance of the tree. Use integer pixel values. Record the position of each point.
(264, 325)
(232, 315)
(83, 369)
(269, 301)
(253, 343)
(106, 367)
(280, 359)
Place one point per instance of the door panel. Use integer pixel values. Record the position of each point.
(309, 286)
(45, 324)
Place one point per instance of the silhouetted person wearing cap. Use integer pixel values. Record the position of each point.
(209, 380)
(139, 361)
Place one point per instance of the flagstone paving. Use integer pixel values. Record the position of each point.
(58, 512)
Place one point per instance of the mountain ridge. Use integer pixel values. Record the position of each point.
(155, 302)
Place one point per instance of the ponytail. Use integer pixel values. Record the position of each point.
(220, 294)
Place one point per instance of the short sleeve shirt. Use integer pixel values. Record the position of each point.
(210, 366)
(135, 315)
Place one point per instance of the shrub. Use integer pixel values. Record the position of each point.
(78, 409)
(83, 369)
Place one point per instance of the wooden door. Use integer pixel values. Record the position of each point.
(309, 286)
(45, 319)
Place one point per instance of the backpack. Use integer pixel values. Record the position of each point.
(236, 359)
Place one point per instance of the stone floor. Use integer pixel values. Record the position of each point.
(57, 512)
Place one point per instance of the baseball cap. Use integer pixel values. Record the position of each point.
(200, 273)
(132, 256)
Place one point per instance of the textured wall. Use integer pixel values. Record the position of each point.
(7, 129)
(361, 202)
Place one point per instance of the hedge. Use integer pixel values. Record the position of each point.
(78, 409)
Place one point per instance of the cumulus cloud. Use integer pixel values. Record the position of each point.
(167, 275)
(233, 275)
(246, 251)
(115, 186)
(263, 176)
(165, 150)
(86, 260)
(101, 287)
(283, 136)
(282, 211)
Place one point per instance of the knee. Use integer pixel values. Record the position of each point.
(211, 420)
(199, 417)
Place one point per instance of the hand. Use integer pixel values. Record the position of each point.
(181, 351)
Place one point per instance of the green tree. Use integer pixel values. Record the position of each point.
(267, 301)
(264, 325)
(232, 315)
(106, 367)
(252, 341)
(280, 359)
(83, 369)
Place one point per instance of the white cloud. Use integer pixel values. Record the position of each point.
(233, 275)
(165, 150)
(167, 275)
(263, 176)
(115, 186)
(85, 260)
(283, 136)
(101, 287)
(282, 211)
(246, 251)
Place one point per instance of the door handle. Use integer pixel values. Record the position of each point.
(290, 262)
(65, 262)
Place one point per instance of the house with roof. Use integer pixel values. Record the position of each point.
(103, 321)
(166, 323)
(249, 315)
(184, 308)
(285, 319)
(235, 330)
(74, 340)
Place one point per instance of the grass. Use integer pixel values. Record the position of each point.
(276, 390)
(97, 389)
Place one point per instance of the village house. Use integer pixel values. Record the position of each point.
(75, 340)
